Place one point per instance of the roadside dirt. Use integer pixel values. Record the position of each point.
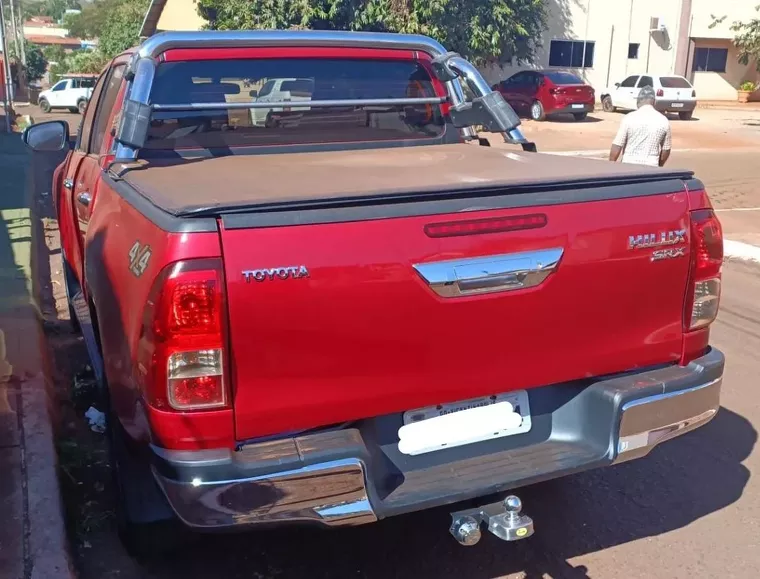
(85, 474)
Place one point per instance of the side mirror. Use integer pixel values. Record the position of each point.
(47, 137)
(254, 93)
(617, 85)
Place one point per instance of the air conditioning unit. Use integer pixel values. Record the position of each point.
(656, 24)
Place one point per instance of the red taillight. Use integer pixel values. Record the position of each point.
(660, 92)
(491, 225)
(182, 352)
(703, 296)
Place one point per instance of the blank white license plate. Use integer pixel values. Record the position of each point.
(577, 106)
(677, 105)
(460, 423)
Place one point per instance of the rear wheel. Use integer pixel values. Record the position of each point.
(537, 112)
(145, 522)
(580, 116)
(44, 106)
(607, 105)
(685, 115)
(146, 526)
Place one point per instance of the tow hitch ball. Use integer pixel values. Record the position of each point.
(502, 519)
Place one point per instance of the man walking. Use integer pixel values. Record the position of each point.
(644, 135)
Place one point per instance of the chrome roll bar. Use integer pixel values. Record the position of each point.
(142, 68)
(306, 104)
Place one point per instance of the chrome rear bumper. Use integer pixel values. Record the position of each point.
(356, 476)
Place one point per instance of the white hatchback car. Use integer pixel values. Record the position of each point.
(674, 94)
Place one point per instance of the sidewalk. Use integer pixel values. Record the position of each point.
(32, 533)
(729, 105)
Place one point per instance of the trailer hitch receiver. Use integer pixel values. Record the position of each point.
(502, 519)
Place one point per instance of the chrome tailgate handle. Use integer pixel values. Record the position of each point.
(495, 273)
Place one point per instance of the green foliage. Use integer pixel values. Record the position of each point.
(36, 63)
(746, 38)
(748, 86)
(91, 21)
(53, 8)
(54, 53)
(121, 29)
(482, 30)
(115, 23)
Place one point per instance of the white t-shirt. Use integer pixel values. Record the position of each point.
(643, 135)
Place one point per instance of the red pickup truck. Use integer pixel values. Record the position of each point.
(312, 295)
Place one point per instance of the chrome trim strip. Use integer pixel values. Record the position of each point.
(647, 422)
(654, 436)
(306, 104)
(668, 395)
(491, 274)
(331, 493)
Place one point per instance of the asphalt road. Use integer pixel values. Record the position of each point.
(690, 509)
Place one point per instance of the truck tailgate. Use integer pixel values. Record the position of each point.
(367, 332)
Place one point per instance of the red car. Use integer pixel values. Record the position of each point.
(350, 313)
(539, 94)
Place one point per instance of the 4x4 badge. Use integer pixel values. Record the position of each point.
(139, 256)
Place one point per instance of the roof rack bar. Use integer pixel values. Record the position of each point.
(159, 43)
(301, 104)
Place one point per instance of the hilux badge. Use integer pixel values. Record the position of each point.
(271, 273)
(663, 239)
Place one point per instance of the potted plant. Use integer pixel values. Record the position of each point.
(746, 89)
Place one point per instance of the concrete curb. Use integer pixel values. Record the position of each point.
(47, 554)
(47, 548)
(741, 251)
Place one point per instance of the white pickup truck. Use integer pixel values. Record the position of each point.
(68, 93)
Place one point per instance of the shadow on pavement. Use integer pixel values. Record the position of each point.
(570, 119)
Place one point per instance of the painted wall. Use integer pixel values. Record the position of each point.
(611, 25)
(722, 85)
(180, 15)
(703, 11)
(45, 31)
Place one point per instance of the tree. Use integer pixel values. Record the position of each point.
(53, 8)
(482, 30)
(36, 63)
(54, 53)
(746, 39)
(121, 29)
(89, 23)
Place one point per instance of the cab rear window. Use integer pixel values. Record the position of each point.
(674, 82)
(563, 78)
(289, 84)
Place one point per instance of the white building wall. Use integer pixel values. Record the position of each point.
(611, 25)
(614, 24)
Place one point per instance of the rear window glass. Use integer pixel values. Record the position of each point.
(293, 83)
(674, 82)
(563, 78)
